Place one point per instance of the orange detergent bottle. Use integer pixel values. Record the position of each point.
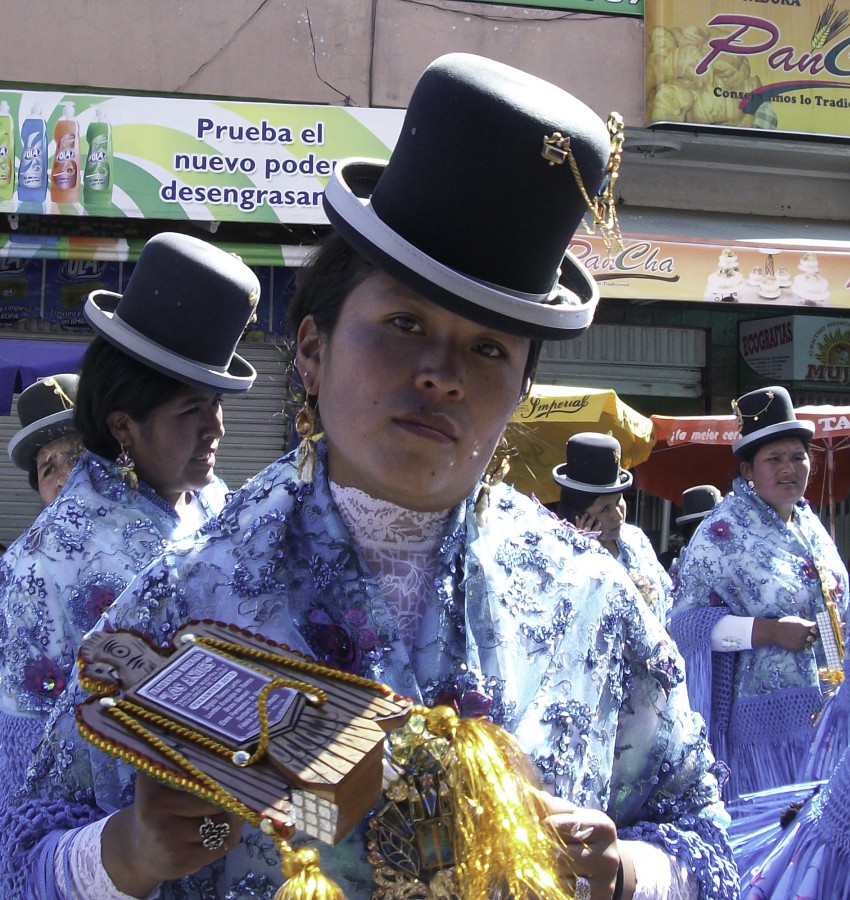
(65, 173)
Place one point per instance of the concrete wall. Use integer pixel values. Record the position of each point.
(361, 52)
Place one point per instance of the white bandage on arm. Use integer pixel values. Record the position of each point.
(658, 875)
(732, 633)
(78, 866)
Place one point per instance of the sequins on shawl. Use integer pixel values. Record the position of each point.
(92, 596)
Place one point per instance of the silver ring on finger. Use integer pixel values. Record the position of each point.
(213, 834)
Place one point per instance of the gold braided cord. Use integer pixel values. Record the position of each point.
(603, 207)
(203, 785)
(209, 743)
(828, 674)
(302, 665)
(302, 878)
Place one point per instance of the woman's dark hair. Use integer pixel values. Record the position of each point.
(110, 380)
(748, 453)
(574, 503)
(333, 271)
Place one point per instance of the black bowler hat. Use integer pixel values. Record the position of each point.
(698, 502)
(766, 415)
(479, 199)
(593, 465)
(182, 313)
(46, 412)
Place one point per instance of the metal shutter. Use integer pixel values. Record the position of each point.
(256, 432)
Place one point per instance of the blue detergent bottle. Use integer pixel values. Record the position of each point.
(32, 169)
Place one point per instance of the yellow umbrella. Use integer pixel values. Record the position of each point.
(551, 414)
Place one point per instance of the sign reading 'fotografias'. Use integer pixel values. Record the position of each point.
(779, 65)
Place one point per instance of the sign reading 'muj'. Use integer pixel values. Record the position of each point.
(782, 66)
(172, 158)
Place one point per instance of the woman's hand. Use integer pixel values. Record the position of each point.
(590, 845)
(158, 837)
(792, 633)
(588, 522)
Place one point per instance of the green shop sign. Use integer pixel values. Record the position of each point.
(613, 7)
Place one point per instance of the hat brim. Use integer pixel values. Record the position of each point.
(29, 440)
(567, 311)
(236, 379)
(796, 428)
(624, 481)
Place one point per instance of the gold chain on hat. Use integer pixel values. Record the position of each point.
(754, 416)
(603, 207)
(51, 382)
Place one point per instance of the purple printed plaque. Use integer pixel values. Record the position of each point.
(217, 693)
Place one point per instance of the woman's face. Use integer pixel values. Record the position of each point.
(779, 473)
(413, 398)
(608, 513)
(53, 464)
(174, 450)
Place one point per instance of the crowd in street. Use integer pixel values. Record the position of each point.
(655, 727)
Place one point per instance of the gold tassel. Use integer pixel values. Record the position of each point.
(304, 879)
(496, 471)
(500, 842)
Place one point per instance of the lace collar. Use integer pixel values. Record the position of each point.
(373, 521)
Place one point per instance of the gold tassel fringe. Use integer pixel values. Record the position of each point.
(304, 879)
(500, 842)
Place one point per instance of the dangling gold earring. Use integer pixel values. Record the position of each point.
(496, 471)
(126, 469)
(305, 425)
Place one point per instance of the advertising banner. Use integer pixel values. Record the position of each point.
(805, 274)
(21, 282)
(173, 158)
(68, 282)
(807, 351)
(781, 66)
(614, 7)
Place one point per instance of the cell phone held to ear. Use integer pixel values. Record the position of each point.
(243, 722)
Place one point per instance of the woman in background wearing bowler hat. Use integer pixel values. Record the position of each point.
(386, 547)
(148, 410)
(47, 446)
(758, 570)
(697, 503)
(592, 484)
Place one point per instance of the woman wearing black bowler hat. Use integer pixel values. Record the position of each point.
(47, 445)
(592, 485)
(385, 546)
(148, 411)
(751, 582)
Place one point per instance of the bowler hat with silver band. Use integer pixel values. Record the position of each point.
(697, 502)
(46, 412)
(185, 307)
(479, 200)
(767, 415)
(593, 465)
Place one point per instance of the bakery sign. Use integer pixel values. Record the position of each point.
(786, 274)
(778, 65)
(803, 349)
